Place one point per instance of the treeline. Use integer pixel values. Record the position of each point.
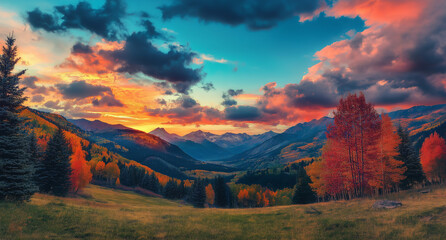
(276, 178)
(260, 196)
(198, 192)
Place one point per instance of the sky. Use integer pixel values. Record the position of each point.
(226, 65)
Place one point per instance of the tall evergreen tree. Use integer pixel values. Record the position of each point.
(35, 156)
(170, 190)
(16, 172)
(181, 190)
(414, 172)
(221, 192)
(56, 166)
(303, 193)
(154, 183)
(198, 193)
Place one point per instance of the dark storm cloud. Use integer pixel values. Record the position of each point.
(311, 94)
(105, 21)
(227, 97)
(229, 102)
(185, 110)
(208, 87)
(151, 30)
(81, 48)
(81, 89)
(30, 82)
(37, 19)
(256, 14)
(140, 55)
(53, 105)
(234, 93)
(37, 98)
(187, 102)
(161, 101)
(107, 100)
(242, 113)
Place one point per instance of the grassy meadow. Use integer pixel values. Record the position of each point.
(102, 213)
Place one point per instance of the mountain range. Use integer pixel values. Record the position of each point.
(242, 151)
(207, 146)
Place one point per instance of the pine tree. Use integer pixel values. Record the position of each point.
(56, 167)
(35, 156)
(198, 193)
(146, 182)
(221, 192)
(181, 191)
(170, 190)
(414, 172)
(154, 183)
(16, 172)
(303, 193)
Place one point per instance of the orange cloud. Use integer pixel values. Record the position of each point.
(379, 11)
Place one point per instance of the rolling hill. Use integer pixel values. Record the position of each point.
(44, 125)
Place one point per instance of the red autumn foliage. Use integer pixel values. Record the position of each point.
(433, 157)
(358, 158)
(389, 171)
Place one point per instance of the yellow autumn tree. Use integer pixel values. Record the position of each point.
(315, 171)
(111, 172)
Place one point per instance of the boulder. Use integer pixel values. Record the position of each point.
(380, 204)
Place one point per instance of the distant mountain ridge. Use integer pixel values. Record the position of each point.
(207, 146)
(96, 125)
(300, 141)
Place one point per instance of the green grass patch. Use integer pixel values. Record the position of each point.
(102, 213)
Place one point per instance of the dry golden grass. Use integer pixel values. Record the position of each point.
(101, 213)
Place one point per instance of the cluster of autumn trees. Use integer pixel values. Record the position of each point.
(365, 154)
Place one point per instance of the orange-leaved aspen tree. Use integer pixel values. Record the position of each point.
(210, 194)
(81, 174)
(99, 169)
(433, 157)
(389, 171)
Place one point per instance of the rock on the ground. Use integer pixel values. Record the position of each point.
(386, 204)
